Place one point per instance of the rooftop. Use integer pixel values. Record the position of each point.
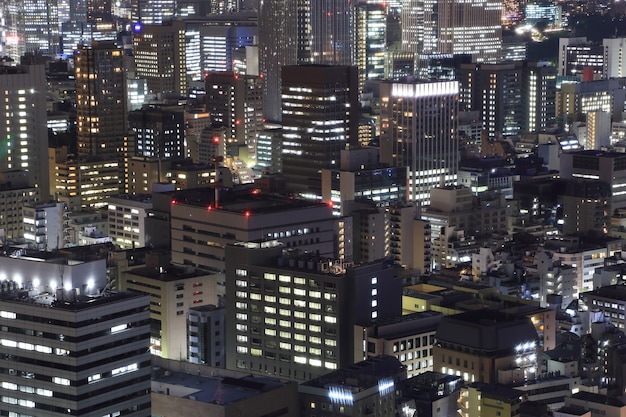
(598, 399)
(242, 201)
(224, 390)
(361, 375)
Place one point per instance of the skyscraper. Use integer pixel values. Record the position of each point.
(295, 32)
(30, 26)
(100, 101)
(320, 116)
(24, 140)
(279, 45)
(454, 27)
(160, 57)
(371, 30)
(419, 130)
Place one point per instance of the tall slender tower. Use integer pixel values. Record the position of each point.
(419, 130)
(100, 101)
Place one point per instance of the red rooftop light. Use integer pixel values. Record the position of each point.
(247, 213)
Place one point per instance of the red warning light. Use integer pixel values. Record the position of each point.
(216, 139)
(209, 208)
(247, 213)
(256, 191)
(173, 202)
(330, 204)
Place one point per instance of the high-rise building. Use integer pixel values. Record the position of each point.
(496, 91)
(75, 354)
(160, 56)
(454, 27)
(279, 45)
(23, 145)
(100, 101)
(301, 32)
(83, 184)
(419, 130)
(30, 26)
(539, 97)
(101, 113)
(314, 135)
(576, 54)
(241, 216)
(235, 101)
(152, 12)
(294, 317)
(371, 38)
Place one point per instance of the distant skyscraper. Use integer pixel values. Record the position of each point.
(539, 86)
(24, 140)
(371, 18)
(419, 130)
(31, 26)
(280, 23)
(235, 101)
(101, 116)
(320, 116)
(160, 57)
(295, 32)
(456, 27)
(100, 101)
(152, 12)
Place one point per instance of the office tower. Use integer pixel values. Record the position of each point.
(419, 130)
(235, 101)
(216, 40)
(98, 8)
(30, 26)
(82, 184)
(160, 57)
(454, 27)
(153, 12)
(41, 26)
(75, 354)
(159, 132)
(294, 317)
(101, 116)
(539, 98)
(371, 38)
(24, 143)
(269, 148)
(478, 344)
(301, 32)
(241, 216)
(576, 54)
(496, 91)
(313, 136)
